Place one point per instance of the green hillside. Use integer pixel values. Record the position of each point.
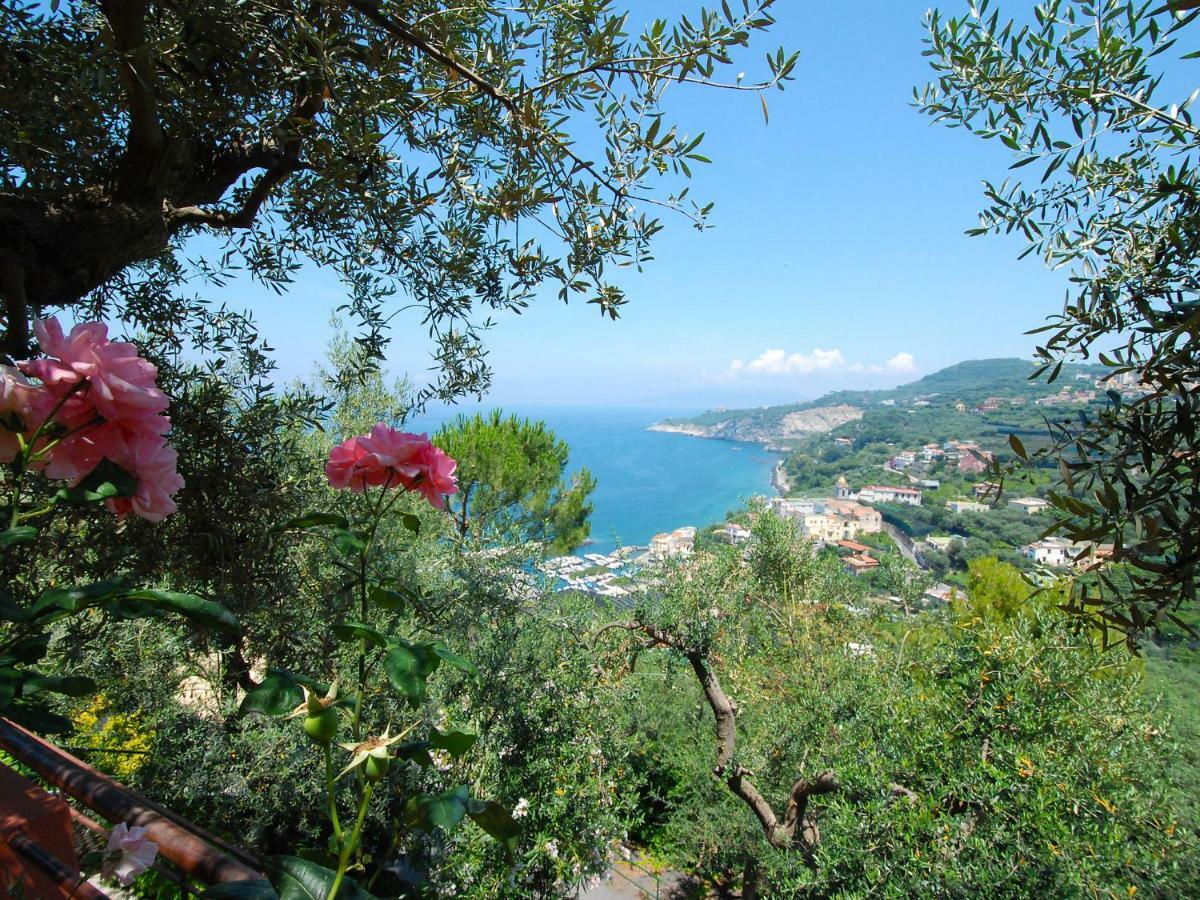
(968, 382)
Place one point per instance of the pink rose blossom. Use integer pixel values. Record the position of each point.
(341, 469)
(16, 400)
(390, 458)
(120, 384)
(132, 853)
(153, 460)
(439, 476)
(393, 457)
(105, 404)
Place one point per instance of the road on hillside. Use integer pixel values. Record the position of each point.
(904, 542)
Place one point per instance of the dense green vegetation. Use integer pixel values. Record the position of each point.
(512, 483)
(985, 750)
(970, 382)
(752, 715)
(1102, 184)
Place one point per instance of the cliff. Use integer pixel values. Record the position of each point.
(816, 420)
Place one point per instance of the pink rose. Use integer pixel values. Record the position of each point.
(342, 467)
(106, 405)
(130, 854)
(121, 385)
(16, 400)
(153, 461)
(390, 458)
(393, 457)
(439, 477)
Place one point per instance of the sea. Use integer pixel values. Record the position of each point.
(646, 481)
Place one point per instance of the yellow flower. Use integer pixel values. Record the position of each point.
(105, 730)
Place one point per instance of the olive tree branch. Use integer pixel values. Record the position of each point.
(796, 829)
(126, 21)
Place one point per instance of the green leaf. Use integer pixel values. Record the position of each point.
(459, 662)
(415, 751)
(10, 610)
(454, 742)
(352, 631)
(27, 650)
(411, 522)
(105, 481)
(276, 695)
(70, 599)
(299, 879)
(386, 598)
(315, 520)
(347, 542)
(67, 685)
(444, 811)
(22, 534)
(10, 681)
(496, 821)
(407, 666)
(197, 609)
(38, 719)
(1018, 447)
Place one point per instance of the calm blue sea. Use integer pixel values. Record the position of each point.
(647, 481)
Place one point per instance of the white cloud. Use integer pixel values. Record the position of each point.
(779, 362)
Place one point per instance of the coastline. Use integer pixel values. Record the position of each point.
(779, 480)
(690, 430)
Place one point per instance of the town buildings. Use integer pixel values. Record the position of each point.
(857, 565)
(941, 541)
(735, 533)
(877, 493)
(1050, 551)
(680, 542)
(830, 519)
(966, 506)
(1031, 506)
(1058, 551)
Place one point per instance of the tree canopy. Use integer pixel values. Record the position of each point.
(1076, 92)
(447, 158)
(513, 483)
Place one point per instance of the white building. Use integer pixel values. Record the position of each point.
(876, 493)
(680, 542)
(942, 594)
(736, 534)
(1051, 551)
(795, 509)
(1030, 505)
(967, 506)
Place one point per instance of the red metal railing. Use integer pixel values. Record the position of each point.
(201, 856)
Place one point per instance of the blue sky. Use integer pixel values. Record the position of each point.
(837, 259)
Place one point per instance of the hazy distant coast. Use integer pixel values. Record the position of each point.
(762, 426)
(690, 430)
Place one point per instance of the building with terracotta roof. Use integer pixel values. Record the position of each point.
(856, 565)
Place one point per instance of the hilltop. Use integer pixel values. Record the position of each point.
(969, 384)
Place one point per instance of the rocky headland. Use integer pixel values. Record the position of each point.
(763, 430)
